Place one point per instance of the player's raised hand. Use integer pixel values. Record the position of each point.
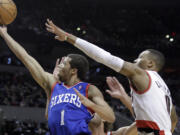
(56, 70)
(85, 101)
(3, 29)
(60, 34)
(116, 88)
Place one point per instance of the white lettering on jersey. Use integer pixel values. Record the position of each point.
(73, 98)
(60, 98)
(65, 98)
(78, 104)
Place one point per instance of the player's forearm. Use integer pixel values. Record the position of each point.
(19, 51)
(126, 100)
(105, 113)
(96, 53)
(71, 39)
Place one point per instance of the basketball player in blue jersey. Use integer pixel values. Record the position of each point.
(98, 126)
(66, 114)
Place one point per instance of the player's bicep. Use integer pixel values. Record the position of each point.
(139, 77)
(130, 69)
(96, 96)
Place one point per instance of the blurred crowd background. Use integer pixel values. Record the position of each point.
(124, 28)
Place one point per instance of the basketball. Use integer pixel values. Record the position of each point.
(8, 12)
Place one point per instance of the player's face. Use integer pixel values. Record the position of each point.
(64, 69)
(142, 60)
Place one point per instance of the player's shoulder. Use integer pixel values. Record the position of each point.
(92, 88)
(93, 91)
(152, 73)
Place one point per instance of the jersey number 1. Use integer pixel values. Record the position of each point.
(62, 117)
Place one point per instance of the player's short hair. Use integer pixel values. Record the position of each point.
(80, 63)
(158, 58)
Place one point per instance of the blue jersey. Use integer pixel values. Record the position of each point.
(66, 114)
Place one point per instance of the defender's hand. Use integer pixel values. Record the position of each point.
(116, 89)
(60, 34)
(56, 70)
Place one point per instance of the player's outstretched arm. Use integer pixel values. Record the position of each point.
(96, 102)
(117, 91)
(137, 75)
(44, 79)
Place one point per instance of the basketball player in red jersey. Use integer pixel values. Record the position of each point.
(70, 77)
(151, 99)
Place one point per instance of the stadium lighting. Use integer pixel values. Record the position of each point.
(171, 39)
(167, 36)
(78, 29)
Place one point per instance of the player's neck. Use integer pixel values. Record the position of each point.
(72, 81)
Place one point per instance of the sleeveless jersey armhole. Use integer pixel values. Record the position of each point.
(144, 91)
(87, 87)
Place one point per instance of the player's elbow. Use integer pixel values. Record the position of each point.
(113, 119)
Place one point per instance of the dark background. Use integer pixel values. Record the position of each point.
(124, 28)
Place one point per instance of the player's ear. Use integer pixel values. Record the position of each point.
(151, 64)
(74, 70)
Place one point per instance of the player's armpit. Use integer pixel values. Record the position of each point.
(100, 106)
